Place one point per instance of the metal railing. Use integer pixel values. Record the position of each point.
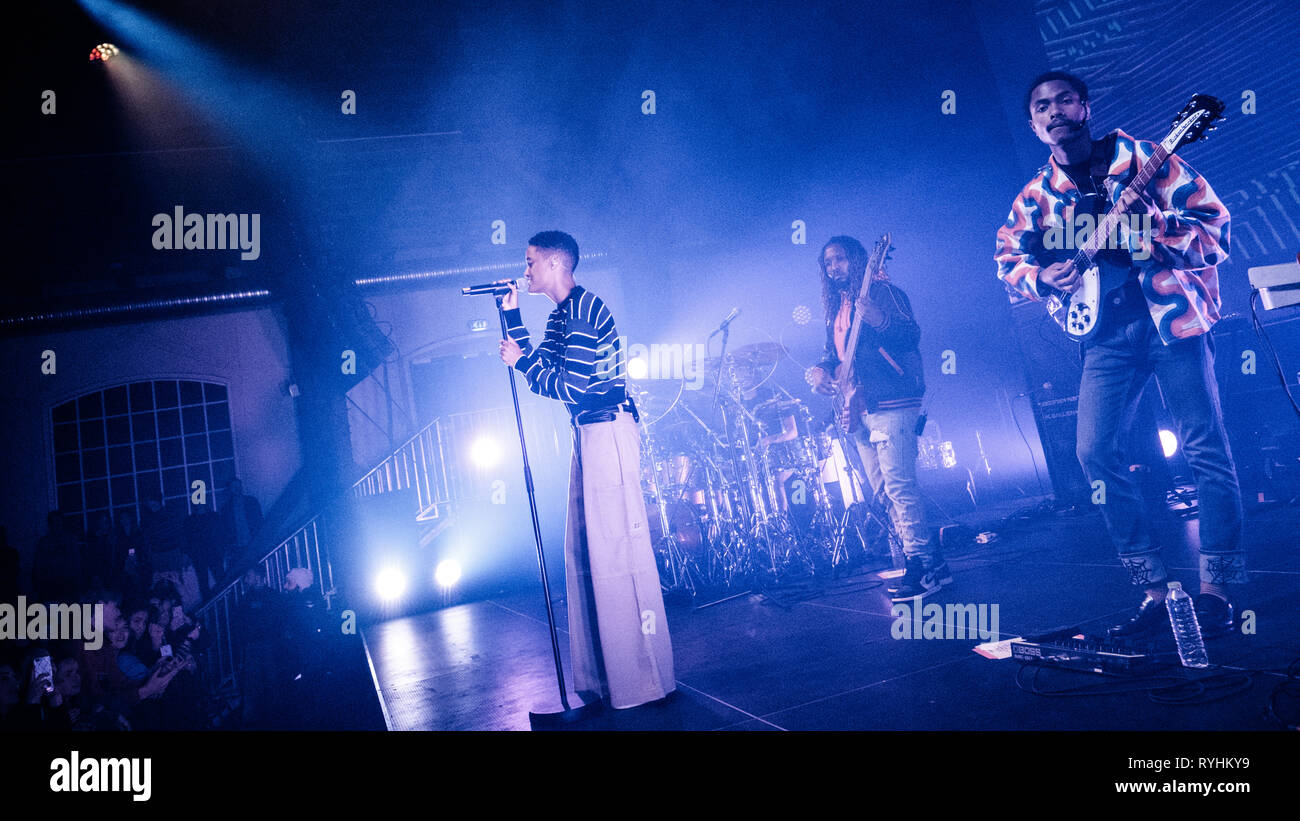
(469, 474)
(302, 549)
(416, 464)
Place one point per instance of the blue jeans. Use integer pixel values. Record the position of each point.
(886, 441)
(1117, 365)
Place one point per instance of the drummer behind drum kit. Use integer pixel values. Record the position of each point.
(738, 484)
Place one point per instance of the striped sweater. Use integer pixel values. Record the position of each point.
(580, 358)
(1187, 243)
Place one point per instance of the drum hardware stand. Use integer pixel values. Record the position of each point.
(738, 556)
(675, 560)
(984, 457)
(857, 476)
(886, 523)
(857, 490)
(822, 524)
(839, 551)
(743, 462)
(732, 597)
(678, 566)
(970, 488)
(677, 563)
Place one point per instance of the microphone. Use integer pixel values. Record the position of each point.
(501, 286)
(731, 317)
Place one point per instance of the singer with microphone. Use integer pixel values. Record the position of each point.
(890, 387)
(618, 632)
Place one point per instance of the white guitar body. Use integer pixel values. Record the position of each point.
(1085, 305)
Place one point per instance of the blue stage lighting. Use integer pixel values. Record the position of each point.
(485, 452)
(390, 584)
(638, 368)
(447, 573)
(1168, 443)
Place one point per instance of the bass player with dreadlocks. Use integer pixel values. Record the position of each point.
(885, 410)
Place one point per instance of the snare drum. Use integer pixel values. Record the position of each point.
(676, 471)
(784, 456)
(684, 524)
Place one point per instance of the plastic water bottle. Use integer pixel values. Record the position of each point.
(1187, 631)
(896, 553)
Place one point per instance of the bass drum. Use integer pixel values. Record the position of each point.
(684, 524)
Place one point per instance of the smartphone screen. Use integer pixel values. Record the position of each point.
(165, 651)
(41, 667)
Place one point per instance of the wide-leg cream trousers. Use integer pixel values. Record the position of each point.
(618, 633)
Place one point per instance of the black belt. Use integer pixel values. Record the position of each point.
(591, 417)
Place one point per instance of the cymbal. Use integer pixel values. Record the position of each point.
(780, 404)
(760, 353)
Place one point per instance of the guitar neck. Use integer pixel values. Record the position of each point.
(1088, 252)
(875, 264)
(851, 346)
(855, 331)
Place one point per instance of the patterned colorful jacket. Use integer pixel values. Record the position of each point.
(1177, 259)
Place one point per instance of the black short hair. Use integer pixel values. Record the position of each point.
(557, 241)
(1079, 86)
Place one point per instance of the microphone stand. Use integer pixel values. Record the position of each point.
(725, 330)
(567, 714)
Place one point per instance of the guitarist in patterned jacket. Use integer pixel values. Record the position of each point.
(1158, 322)
(884, 401)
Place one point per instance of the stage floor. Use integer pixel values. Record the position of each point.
(823, 658)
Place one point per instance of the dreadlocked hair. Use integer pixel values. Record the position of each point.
(831, 288)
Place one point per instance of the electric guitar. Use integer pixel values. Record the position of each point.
(845, 399)
(1079, 314)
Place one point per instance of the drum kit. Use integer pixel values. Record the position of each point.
(744, 490)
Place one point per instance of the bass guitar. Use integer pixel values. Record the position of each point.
(845, 400)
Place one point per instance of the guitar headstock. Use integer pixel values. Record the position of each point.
(1192, 123)
(879, 255)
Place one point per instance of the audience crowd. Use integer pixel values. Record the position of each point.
(145, 579)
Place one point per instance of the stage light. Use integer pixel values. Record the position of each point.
(638, 368)
(947, 455)
(447, 573)
(802, 315)
(390, 584)
(1168, 443)
(104, 51)
(485, 452)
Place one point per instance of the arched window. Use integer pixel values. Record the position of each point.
(115, 447)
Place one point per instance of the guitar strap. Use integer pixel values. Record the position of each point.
(1102, 187)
